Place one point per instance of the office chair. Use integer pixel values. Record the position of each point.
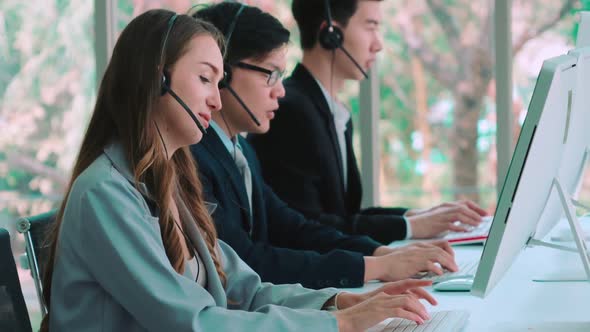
(13, 310)
(34, 230)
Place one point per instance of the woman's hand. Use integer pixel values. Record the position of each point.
(359, 312)
(347, 300)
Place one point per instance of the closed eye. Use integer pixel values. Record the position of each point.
(204, 79)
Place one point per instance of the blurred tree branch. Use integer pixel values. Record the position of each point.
(550, 22)
(429, 58)
(24, 162)
(469, 69)
(448, 24)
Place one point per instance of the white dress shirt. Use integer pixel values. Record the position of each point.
(341, 117)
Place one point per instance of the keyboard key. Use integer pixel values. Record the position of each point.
(466, 269)
(476, 234)
(441, 321)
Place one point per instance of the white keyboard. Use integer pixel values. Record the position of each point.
(466, 269)
(441, 321)
(476, 234)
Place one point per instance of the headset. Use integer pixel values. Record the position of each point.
(167, 79)
(331, 38)
(227, 73)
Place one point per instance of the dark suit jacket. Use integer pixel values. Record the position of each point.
(301, 161)
(282, 246)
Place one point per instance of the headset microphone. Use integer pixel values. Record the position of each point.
(331, 37)
(354, 61)
(166, 89)
(241, 102)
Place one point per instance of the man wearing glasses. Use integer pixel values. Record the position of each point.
(278, 242)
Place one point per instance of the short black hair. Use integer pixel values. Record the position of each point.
(309, 15)
(255, 34)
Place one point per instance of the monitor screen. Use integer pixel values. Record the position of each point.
(534, 165)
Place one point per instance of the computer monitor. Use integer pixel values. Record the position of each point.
(534, 165)
(575, 154)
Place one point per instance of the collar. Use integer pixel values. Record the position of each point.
(339, 112)
(116, 154)
(229, 144)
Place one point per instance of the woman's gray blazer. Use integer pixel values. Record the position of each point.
(111, 271)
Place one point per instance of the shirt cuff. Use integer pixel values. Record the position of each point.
(334, 305)
(408, 228)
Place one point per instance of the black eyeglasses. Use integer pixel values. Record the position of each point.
(273, 75)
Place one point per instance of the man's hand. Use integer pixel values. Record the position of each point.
(432, 222)
(405, 262)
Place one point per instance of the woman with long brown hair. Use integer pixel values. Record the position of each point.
(134, 247)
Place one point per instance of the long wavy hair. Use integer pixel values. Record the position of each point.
(124, 110)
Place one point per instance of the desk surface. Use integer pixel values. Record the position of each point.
(518, 303)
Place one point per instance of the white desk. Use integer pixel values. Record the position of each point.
(519, 304)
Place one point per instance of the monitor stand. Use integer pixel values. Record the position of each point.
(569, 205)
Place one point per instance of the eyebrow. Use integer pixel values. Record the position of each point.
(270, 64)
(215, 69)
(372, 22)
(275, 66)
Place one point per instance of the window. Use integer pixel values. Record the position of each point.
(438, 115)
(47, 92)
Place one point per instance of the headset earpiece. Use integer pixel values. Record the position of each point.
(227, 74)
(165, 83)
(227, 69)
(331, 37)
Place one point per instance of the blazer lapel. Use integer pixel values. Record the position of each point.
(354, 191)
(312, 89)
(193, 232)
(212, 142)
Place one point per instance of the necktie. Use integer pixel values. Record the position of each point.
(244, 169)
